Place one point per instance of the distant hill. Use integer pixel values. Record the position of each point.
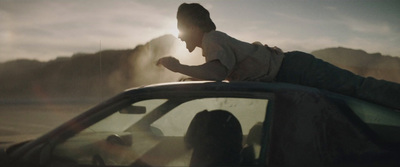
(87, 75)
(105, 73)
(362, 63)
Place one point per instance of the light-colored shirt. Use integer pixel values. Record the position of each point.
(244, 61)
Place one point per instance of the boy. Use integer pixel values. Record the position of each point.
(230, 59)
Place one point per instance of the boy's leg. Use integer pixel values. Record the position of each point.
(304, 69)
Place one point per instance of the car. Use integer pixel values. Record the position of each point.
(204, 123)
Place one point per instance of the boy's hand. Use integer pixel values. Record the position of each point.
(169, 62)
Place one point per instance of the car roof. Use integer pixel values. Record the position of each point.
(236, 86)
(222, 86)
(246, 87)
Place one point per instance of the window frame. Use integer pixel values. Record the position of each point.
(116, 105)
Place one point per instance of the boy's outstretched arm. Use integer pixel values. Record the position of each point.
(212, 70)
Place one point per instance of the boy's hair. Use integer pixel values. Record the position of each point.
(197, 15)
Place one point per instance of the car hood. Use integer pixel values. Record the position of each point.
(8, 141)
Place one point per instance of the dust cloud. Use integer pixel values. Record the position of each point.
(142, 68)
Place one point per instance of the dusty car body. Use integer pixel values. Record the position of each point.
(281, 125)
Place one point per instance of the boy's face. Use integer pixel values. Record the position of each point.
(190, 35)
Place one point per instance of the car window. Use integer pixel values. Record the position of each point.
(384, 122)
(152, 132)
(120, 121)
(248, 111)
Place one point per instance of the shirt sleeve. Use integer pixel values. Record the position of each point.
(216, 49)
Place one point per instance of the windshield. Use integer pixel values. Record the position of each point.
(159, 127)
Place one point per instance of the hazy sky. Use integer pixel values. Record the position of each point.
(44, 30)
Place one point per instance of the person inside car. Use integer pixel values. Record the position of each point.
(216, 139)
(230, 59)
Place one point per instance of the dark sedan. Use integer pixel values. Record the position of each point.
(220, 124)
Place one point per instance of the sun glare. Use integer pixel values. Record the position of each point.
(175, 32)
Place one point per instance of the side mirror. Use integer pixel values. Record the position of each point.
(133, 110)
